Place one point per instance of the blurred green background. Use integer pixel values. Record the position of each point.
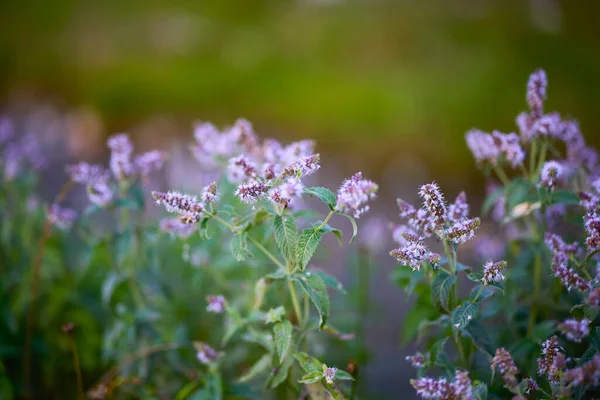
(372, 79)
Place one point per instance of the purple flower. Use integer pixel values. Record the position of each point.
(406, 209)
(504, 363)
(62, 218)
(492, 272)
(575, 330)
(549, 125)
(525, 123)
(353, 195)
(531, 385)
(546, 363)
(458, 210)
(240, 169)
(434, 203)
(483, 146)
(413, 254)
(120, 156)
(551, 173)
(536, 92)
(461, 387)
(87, 174)
(561, 251)
(417, 360)
(187, 206)
(429, 388)
(216, 304)
(210, 193)
(588, 374)
(569, 278)
(175, 227)
(592, 227)
(329, 374)
(287, 192)
(594, 297)
(302, 167)
(150, 161)
(463, 231)
(205, 353)
(251, 192)
(100, 193)
(510, 147)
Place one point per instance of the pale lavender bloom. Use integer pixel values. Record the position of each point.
(464, 230)
(546, 364)
(86, 173)
(150, 161)
(329, 374)
(525, 123)
(434, 203)
(489, 247)
(272, 151)
(569, 278)
(416, 360)
(406, 209)
(244, 135)
(7, 130)
(120, 156)
(429, 388)
(572, 136)
(100, 193)
(62, 218)
(458, 210)
(531, 385)
(269, 171)
(251, 192)
(555, 214)
(187, 206)
(492, 272)
(510, 147)
(594, 297)
(353, 195)
(302, 167)
(592, 227)
(297, 151)
(423, 222)
(175, 227)
(216, 304)
(482, 146)
(560, 250)
(291, 190)
(32, 152)
(549, 125)
(536, 92)
(210, 193)
(588, 374)
(374, 235)
(21, 153)
(504, 363)
(551, 174)
(240, 169)
(413, 254)
(461, 386)
(210, 143)
(206, 354)
(575, 330)
(595, 184)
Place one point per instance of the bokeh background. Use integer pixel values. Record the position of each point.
(386, 87)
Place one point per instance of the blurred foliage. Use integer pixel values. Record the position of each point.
(364, 77)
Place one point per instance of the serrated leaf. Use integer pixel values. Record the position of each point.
(316, 290)
(407, 279)
(442, 288)
(475, 277)
(485, 293)
(324, 194)
(280, 373)
(327, 228)
(480, 391)
(308, 363)
(462, 315)
(354, 227)
(203, 229)
(564, 197)
(239, 246)
(282, 332)
(279, 274)
(330, 281)
(286, 235)
(343, 375)
(307, 244)
(437, 348)
(311, 377)
(480, 338)
(258, 368)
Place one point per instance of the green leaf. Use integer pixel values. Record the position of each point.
(308, 363)
(239, 246)
(307, 244)
(109, 285)
(343, 375)
(185, 392)
(441, 289)
(316, 290)
(491, 200)
(260, 288)
(283, 338)
(311, 377)
(480, 391)
(203, 229)
(279, 274)
(480, 338)
(324, 194)
(406, 278)
(286, 235)
(417, 313)
(259, 367)
(485, 293)
(564, 197)
(462, 315)
(327, 228)
(437, 348)
(330, 281)
(475, 277)
(543, 330)
(443, 361)
(354, 227)
(280, 373)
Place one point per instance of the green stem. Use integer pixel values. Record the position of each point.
(461, 349)
(268, 254)
(537, 281)
(77, 366)
(294, 296)
(478, 293)
(542, 159)
(502, 175)
(532, 157)
(325, 221)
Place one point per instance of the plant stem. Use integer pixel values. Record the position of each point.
(537, 281)
(461, 350)
(478, 293)
(37, 263)
(294, 296)
(532, 158)
(502, 175)
(542, 158)
(325, 221)
(77, 366)
(268, 254)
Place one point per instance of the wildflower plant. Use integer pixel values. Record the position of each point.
(523, 325)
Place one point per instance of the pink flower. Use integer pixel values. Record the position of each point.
(492, 272)
(62, 218)
(504, 363)
(536, 92)
(216, 304)
(353, 195)
(434, 203)
(575, 330)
